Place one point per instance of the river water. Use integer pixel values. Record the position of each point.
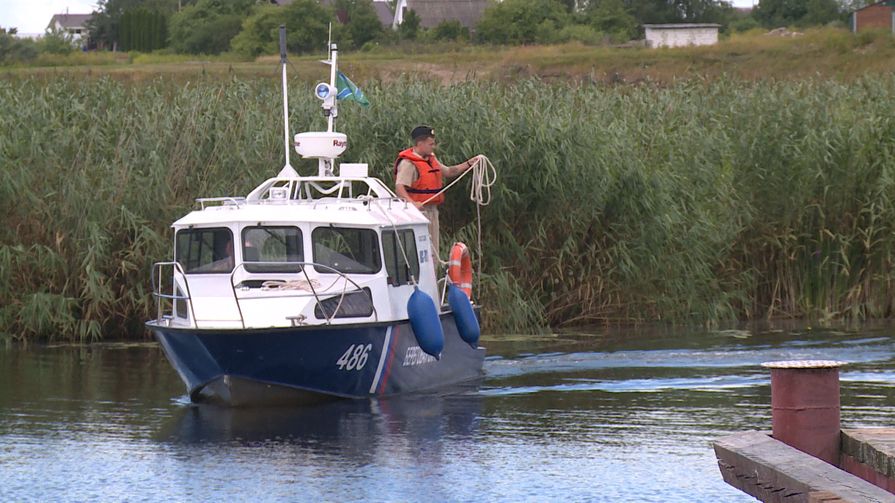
(619, 416)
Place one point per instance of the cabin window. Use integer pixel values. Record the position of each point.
(397, 268)
(358, 304)
(353, 251)
(205, 251)
(272, 244)
(180, 306)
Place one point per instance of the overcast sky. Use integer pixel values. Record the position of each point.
(33, 16)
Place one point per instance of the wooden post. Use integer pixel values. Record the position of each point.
(805, 406)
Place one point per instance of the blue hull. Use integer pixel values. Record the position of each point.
(304, 365)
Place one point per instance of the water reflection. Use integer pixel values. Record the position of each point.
(360, 424)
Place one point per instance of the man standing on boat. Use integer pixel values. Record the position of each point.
(419, 177)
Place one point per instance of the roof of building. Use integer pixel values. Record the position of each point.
(433, 12)
(384, 13)
(70, 20)
(681, 26)
(885, 3)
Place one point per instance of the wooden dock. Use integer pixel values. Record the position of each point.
(869, 453)
(772, 471)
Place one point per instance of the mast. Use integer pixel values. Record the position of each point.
(287, 170)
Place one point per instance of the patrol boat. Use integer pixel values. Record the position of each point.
(313, 287)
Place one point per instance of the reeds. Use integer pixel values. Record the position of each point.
(697, 202)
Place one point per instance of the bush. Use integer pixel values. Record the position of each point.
(744, 24)
(580, 33)
(450, 30)
(410, 26)
(522, 22)
(15, 50)
(307, 28)
(56, 42)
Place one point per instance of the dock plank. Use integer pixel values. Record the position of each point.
(874, 447)
(772, 471)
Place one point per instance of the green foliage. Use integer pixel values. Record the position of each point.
(745, 23)
(307, 29)
(15, 50)
(522, 22)
(775, 13)
(142, 30)
(692, 202)
(362, 24)
(449, 30)
(611, 17)
(582, 33)
(410, 26)
(208, 26)
(56, 42)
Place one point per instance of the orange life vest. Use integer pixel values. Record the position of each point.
(429, 181)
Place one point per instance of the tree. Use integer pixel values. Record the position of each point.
(142, 30)
(361, 22)
(820, 12)
(612, 18)
(208, 26)
(772, 13)
(307, 28)
(652, 11)
(105, 25)
(409, 26)
(522, 21)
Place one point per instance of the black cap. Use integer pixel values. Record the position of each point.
(422, 132)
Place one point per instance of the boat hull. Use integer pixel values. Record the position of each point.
(306, 365)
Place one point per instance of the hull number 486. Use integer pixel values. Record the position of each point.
(355, 357)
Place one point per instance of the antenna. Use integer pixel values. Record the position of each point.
(287, 170)
(333, 55)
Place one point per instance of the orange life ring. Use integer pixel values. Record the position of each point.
(460, 268)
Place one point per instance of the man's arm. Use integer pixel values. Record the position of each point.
(452, 171)
(401, 191)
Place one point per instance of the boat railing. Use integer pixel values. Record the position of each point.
(314, 291)
(222, 201)
(160, 296)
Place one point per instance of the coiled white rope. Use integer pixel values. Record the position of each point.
(484, 176)
(293, 284)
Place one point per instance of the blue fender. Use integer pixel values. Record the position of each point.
(464, 316)
(426, 323)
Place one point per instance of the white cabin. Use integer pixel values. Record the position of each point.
(300, 251)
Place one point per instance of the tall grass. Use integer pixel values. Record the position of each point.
(695, 202)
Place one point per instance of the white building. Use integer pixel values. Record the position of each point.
(681, 35)
(73, 24)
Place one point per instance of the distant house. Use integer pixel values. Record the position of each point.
(681, 35)
(73, 24)
(434, 12)
(877, 16)
(384, 13)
